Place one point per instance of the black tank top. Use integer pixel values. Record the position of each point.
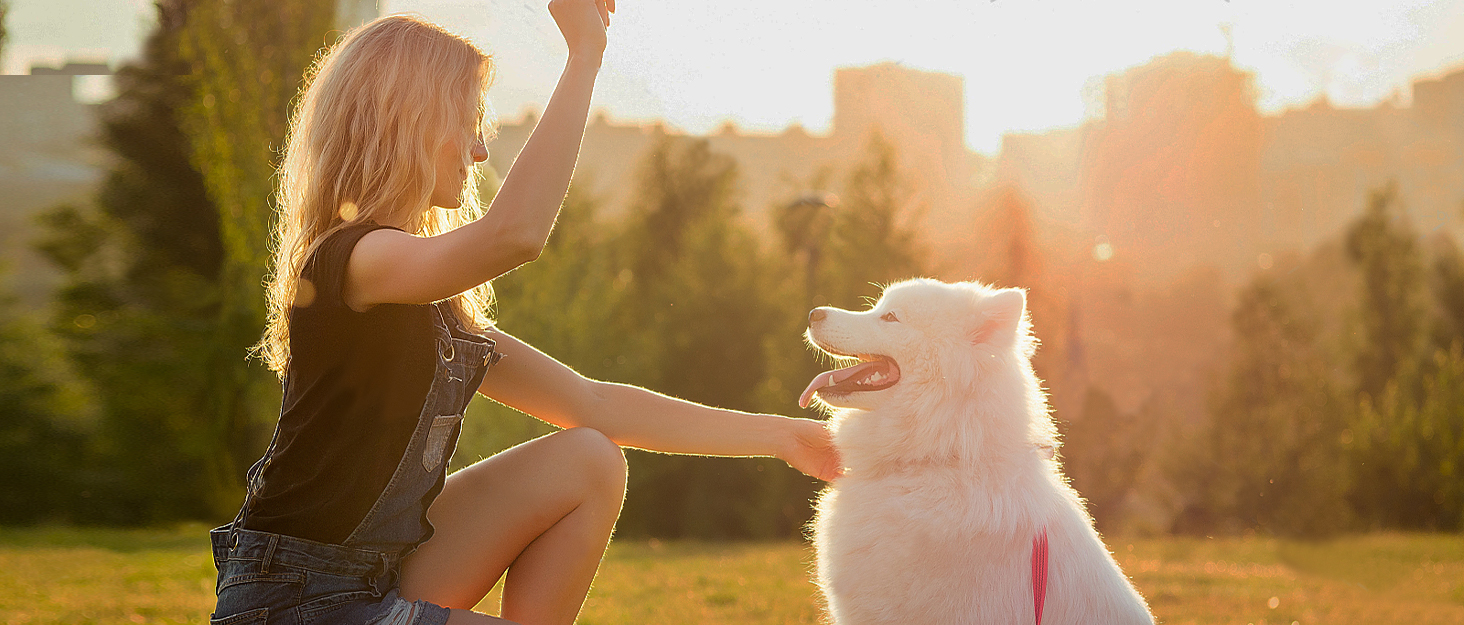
(354, 388)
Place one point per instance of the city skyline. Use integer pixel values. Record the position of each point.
(1027, 67)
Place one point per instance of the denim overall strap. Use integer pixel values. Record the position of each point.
(397, 521)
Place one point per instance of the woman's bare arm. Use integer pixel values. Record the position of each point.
(389, 266)
(536, 384)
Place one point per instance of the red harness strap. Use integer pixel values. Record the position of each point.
(1039, 573)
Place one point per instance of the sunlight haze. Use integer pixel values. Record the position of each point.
(765, 64)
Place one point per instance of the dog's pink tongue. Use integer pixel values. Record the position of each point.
(831, 378)
(821, 380)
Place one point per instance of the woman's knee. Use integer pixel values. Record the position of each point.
(603, 460)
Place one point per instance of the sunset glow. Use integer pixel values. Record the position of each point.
(1028, 66)
(765, 64)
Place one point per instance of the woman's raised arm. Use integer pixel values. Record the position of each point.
(389, 266)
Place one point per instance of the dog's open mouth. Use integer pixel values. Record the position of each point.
(873, 373)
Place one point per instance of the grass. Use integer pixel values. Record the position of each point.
(103, 576)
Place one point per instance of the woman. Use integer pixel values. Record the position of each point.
(378, 327)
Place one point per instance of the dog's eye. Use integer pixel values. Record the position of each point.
(889, 316)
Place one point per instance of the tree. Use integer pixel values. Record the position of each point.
(139, 297)
(1408, 447)
(836, 251)
(872, 238)
(162, 295)
(1011, 255)
(563, 303)
(246, 58)
(1392, 309)
(1446, 282)
(694, 318)
(45, 417)
(1405, 430)
(1104, 452)
(677, 298)
(1274, 458)
(4, 8)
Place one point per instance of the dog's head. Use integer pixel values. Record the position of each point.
(920, 339)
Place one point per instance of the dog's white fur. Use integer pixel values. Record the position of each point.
(950, 473)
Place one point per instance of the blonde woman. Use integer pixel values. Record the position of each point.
(378, 328)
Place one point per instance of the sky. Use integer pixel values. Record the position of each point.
(1028, 65)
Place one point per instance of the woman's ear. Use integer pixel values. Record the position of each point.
(999, 316)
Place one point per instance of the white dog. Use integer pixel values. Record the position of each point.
(953, 509)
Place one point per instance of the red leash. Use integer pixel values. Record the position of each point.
(1039, 572)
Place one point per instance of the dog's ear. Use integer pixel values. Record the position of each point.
(999, 316)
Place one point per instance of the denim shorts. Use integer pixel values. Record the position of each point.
(272, 579)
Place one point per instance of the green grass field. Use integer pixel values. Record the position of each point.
(60, 575)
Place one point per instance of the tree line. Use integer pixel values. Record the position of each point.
(1340, 406)
(133, 402)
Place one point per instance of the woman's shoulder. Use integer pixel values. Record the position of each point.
(325, 268)
(335, 246)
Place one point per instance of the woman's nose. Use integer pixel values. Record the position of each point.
(480, 151)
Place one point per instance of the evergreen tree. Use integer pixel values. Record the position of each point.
(1446, 282)
(1274, 459)
(679, 298)
(139, 299)
(1408, 447)
(836, 251)
(246, 58)
(1103, 453)
(162, 295)
(873, 240)
(675, 298)
(1405, 429)
(695, 318)
(1392, 311)
(45, 417)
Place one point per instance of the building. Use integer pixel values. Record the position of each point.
(353, 13)
(47, 156)
(1182, 170)
(920, 113)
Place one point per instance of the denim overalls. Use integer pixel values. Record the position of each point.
(277, 579)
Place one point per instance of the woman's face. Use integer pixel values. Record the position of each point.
(453, 162)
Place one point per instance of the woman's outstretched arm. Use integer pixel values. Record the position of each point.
(389, 266)
(533, 382)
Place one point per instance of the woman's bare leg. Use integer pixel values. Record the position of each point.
(543, 511)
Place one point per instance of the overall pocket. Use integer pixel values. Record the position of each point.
(432, 454)
(252, 617)
(245, 596)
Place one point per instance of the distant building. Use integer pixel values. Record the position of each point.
(47, 156)
(1322, 161)
(924, 115)
(353, 13)
(1182, 169)
(920, 113)
(1171, 174)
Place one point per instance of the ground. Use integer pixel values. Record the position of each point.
(105, 576)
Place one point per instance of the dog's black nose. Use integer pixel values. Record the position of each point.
(816, 316)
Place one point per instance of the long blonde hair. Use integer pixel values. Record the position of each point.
(376, 109)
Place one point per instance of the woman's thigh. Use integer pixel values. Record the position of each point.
(488, 514)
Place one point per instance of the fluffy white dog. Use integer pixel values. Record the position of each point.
(953, 508)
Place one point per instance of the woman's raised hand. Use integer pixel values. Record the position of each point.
(583, 24)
